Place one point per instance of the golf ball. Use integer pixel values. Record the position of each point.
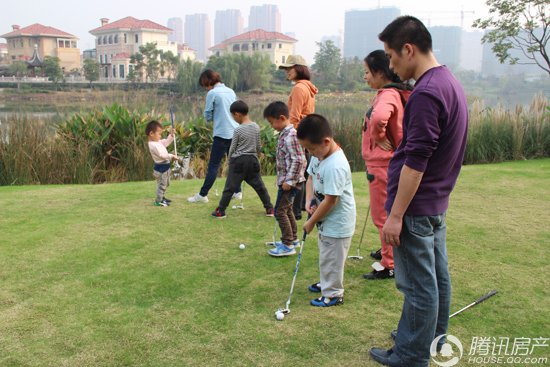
(242, 246)
(280, 316)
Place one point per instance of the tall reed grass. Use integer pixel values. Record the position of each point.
(40, 152)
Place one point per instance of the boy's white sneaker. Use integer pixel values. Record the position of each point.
(237, 196)
(197, 198)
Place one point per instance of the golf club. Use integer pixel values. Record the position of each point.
(176, 171)
(272, 243)
(488, 295)
(241, 205)
(358, 256)
(286, 310)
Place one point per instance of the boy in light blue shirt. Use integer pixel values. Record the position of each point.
(331, 204)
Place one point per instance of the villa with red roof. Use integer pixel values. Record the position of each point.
(276, 45)
(47, 41)
(117, 41)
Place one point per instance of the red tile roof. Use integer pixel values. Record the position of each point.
(131, 23)
(255, 35)
(38, 29)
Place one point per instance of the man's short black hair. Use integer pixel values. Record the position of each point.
(152, 126)
(406, 29)
(314, 128)
(239, 107)
(276, 110)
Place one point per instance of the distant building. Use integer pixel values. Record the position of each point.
(117, 41)
(362, 28)
(176, 24)
(228, 23)
(274, 44)
(471, 51)
(446, 43)
(89, 54)
(198, 34)
(186, 53)
(49, 41)
(265, 17)
(3, 53)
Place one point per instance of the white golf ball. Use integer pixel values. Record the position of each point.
(242, 246)
(280, 316)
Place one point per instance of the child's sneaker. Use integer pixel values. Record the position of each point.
(270, 212)
(327, 302)
(237, 196)
(382, 274)
(167, 200)
(315, 288)
(218, 213)
(160, 203)
(282, 250)
(198, 199)
(295, 243)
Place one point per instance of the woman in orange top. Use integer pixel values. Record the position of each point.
(382, 133)
(301, 103)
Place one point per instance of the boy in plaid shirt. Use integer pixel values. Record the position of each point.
(291, 164)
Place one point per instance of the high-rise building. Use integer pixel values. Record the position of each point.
(176, 24)
(228, 23)
(362, 28)
(446, 41)
(471, 51)
(198, 34)
(266, 17)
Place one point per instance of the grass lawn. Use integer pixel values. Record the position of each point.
(97, 276)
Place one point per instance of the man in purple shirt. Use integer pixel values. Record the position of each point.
(421, 176)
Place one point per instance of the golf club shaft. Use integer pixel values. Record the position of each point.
(488, 295)
(296, 270)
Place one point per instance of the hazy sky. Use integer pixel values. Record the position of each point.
(309, 20)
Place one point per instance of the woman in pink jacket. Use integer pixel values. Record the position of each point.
(382, 133)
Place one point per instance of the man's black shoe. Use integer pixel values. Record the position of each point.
(383, 274)
(386, 357)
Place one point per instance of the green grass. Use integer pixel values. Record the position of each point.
(97, 276)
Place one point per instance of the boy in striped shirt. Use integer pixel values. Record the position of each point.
(243, 161)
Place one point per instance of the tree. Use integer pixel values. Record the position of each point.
(521, 25)
(91, 70)
(52, 70)
(147, 59)
(351, 74)
(243, 72)
(327, 64)
(169, 64)
(19, 69)
(187, 79)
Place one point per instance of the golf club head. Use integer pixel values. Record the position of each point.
(355, 257)
(270, 243)
(284, 311)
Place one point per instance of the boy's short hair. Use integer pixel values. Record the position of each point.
(152, 126)
(239, 107)
(276, 109)
(209, 78)
(314, 128)
(406, 29)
